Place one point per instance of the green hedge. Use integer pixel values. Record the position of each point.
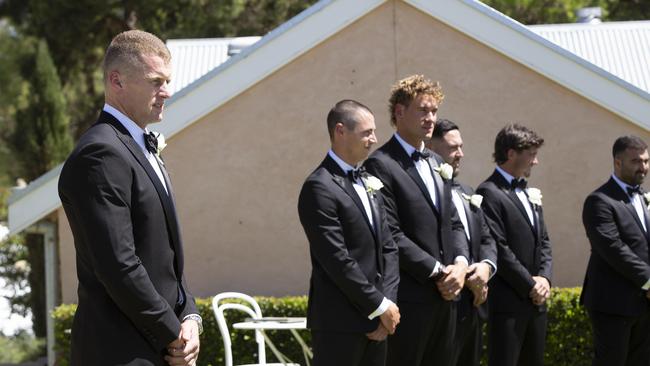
(568, 342)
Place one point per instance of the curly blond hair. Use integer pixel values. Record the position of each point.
(406, 90)
(127, 48)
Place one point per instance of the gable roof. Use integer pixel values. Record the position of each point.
(193, 58)
(326, 18)
(622, 48)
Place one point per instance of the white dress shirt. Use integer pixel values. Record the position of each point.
(138, 135)
(361, 192)
(464, 218)
(423, 168)
(521, 195)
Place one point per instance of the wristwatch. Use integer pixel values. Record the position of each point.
(197, 318)
(438, 275)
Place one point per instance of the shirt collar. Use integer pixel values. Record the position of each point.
(406, 146)
(622, 184)
(136, 131)
(505, 175)
(342, 164)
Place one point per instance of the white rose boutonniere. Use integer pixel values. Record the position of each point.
(161, 142)
(372, 183)
(535, 196)
(475, 199)
(445, 170)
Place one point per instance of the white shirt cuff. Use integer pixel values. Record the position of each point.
(436, 269)
(494, 267)
(646, 287)
(385, 303)
(462, 259)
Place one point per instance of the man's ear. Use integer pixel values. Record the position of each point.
(115, 79)
(338, 129)
(399, 110)
(512, 153)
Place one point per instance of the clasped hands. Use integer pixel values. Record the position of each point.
(541, 291)
(184, 350)
(475, 277)
(387, 323)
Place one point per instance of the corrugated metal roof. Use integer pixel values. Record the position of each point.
(193, 58)
(621, 48)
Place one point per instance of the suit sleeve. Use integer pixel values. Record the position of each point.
(488, 248)
(600, 223)
(510, 269)
(391, 261)
(100, 196)
(319, 217)
(190, 303)
(546, 259)
(412, 259)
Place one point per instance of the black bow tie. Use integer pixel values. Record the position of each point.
(356, 174)
(151, 142)
(417, 155)
(518, 183)
(632, 190)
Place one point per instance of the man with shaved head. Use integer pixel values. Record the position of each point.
(135, 307)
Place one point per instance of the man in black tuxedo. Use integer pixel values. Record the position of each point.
(447, 142)
(134, 304)
(616, 291)
(425, 225)
(518, 292)
(355, 273)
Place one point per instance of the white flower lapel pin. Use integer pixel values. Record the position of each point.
(372, 183)
(535, 196)
(161, 142)
(445, 170)
(475, 199)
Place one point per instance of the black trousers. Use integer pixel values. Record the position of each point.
(517, 339)
(424, 336)
(346, 349)
(469, 336)
(619, 340)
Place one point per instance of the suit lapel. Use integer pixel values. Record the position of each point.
(501, 182)
(440, 184)
(407, 164)
(167, 203)
(372, 198)
(470, 221)
(342, 180)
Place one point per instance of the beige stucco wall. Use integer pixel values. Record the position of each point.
(237, 172)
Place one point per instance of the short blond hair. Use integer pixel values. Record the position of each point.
(406, 90)
(127, 49)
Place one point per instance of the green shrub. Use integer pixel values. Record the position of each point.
(212, 354)
(568, 341)
(21, 347)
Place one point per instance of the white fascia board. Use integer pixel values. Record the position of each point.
(272, 52)
(38, 202)
(515, 41)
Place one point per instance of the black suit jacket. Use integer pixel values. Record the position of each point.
(425, 234)
(523, 251)
(481, 244)
(128, 251)
(354, 265)
(619, 264)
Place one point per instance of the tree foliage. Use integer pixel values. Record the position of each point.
(564, 11)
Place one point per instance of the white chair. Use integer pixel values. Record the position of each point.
(253, 310)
